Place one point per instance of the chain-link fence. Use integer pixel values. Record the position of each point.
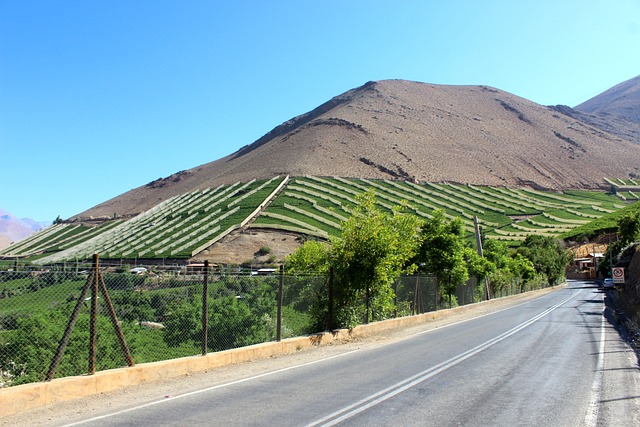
(71, 320)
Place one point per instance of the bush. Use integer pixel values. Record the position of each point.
(123, 281)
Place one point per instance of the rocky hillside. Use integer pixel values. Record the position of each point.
(397, 129)
(621, 101)
(616, 110)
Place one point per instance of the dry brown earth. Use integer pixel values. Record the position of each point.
(244, 247)
(396, 129)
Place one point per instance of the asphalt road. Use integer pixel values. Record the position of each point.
(553, 361)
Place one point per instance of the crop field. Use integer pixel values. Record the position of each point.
(505, 214)
(185, 225)
(179, 227)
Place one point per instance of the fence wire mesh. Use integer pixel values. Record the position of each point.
(159, 310)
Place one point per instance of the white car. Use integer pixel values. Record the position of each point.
(608, 283)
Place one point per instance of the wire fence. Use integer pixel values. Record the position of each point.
(72, 320)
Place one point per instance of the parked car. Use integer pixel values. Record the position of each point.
(608, 283)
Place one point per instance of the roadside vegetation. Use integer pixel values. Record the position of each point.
(377, 246)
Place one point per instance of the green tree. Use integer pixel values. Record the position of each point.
(522, 270)
(547, 255)
(373, 249)
(629, 228)
(234, 320)
(311, 256)
(480, 267)
(628, 232)
(442, 252)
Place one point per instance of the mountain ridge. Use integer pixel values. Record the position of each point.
(13, 229)
(398, 129)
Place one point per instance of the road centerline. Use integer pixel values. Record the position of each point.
(387, 393)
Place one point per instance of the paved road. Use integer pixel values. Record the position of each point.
(553, 361)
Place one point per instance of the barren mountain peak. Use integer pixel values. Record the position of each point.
(399, 129)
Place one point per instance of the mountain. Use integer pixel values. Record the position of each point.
(13, 229)
(396, 129)
(621, 100)
(616, 110)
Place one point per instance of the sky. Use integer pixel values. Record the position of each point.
(100, 97)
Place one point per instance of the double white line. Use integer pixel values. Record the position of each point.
(379, 397)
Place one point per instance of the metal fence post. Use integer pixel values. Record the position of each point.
(395, 298)
(280, 298)
(414, 308)
(67, 333)
(115, 323)
(330, 323)
(93, 333)
(368, 304)
(205, 308)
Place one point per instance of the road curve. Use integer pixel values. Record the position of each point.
(553, 361)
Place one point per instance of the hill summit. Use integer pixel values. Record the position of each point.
(397, 129)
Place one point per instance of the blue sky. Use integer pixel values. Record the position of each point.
(99, 97)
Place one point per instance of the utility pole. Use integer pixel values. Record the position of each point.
(476, 228)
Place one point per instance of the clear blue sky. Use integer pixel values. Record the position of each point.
(99, 97)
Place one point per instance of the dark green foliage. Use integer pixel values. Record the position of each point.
(621, 250)
(547, 255)
(443, 252)
(234, 320)
(34, 342)
(133, 306)
(123, 281)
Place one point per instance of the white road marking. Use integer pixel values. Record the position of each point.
(204, 390)
(591, 419)
(387, 393)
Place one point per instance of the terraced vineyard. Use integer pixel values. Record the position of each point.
(179, 227)
(627, 189)
(185, 225)
(315, 206)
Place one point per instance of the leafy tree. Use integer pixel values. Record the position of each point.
(442, 252)
(133, 306)
(233, 321)
(373, 249)
(628, 232)
(547, 256)
(311, 256)
(480, 267)
(629, 228)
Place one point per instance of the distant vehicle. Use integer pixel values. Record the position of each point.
(608, 283)
(138, 270)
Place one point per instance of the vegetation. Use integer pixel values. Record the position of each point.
(442, 252)
(620, 251)
(375, 247)
(187, 224)
(368, 232)
(158, 323)
(371, 252)
(601, 225)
